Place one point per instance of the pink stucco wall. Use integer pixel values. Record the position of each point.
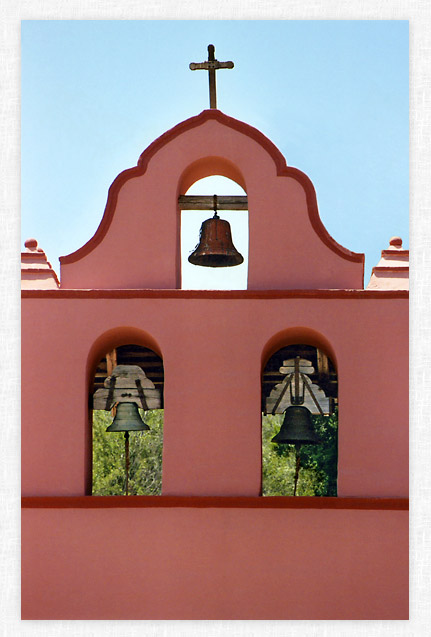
(214, 563)
(214, 349)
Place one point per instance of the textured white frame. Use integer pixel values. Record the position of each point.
(419, 15)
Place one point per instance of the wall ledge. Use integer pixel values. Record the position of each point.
(220, 502)
(213, 294)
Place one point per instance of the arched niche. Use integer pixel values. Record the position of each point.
(198, 277)
(107, 466)
(312, 467)
(208, 166)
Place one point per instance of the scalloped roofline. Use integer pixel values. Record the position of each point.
(282, 170)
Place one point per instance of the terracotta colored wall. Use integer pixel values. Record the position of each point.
(214, 564)
(212, 350)
(288, 246)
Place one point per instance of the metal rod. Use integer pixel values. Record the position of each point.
(141, 394)
(126, 444)
(296, 380)
(283, 391)
(298, 460)
(215, 207)
(110, 395)
(307, 385)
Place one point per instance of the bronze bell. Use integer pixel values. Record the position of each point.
(216, 249)
(297, 428)
(128, 418)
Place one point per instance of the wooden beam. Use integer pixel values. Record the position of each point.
(111, 361)
(150, 374)
(99, 383)
(211, 65)
(145, 364)
(206, 202)
(125, 353)
(322, 365)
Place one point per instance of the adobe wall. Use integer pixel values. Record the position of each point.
(214, 563)
(214, 349)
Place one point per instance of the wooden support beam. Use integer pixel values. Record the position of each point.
(206, 202)
(100, 375)
(138, 354)
(322, 365)
(111, 361)
(144, 365)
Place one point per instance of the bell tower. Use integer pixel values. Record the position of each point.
(304, 335)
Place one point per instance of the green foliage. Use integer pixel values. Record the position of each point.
(318, 469)
(145, 453)
(317, 475)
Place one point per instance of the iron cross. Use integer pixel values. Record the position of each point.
(211, 65)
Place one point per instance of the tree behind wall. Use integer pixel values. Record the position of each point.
(318, 469)
(317, 476)
(145, 475)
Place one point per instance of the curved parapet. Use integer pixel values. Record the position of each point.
(137, 244)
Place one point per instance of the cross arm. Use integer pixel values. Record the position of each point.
(194, 66)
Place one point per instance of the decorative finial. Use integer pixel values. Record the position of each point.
(396, 242)
(31, 244)
(211, 65)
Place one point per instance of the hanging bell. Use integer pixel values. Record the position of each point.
(297, 428)
(216, 249)
(128, 418)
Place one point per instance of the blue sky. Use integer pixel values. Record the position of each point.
(331, 95)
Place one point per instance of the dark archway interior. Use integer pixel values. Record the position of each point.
(309, 467)
(121, 465)
(148, 360)
(325, 374)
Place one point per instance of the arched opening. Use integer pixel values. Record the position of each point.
(196, 277)
(299, 410)
(127, 459)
